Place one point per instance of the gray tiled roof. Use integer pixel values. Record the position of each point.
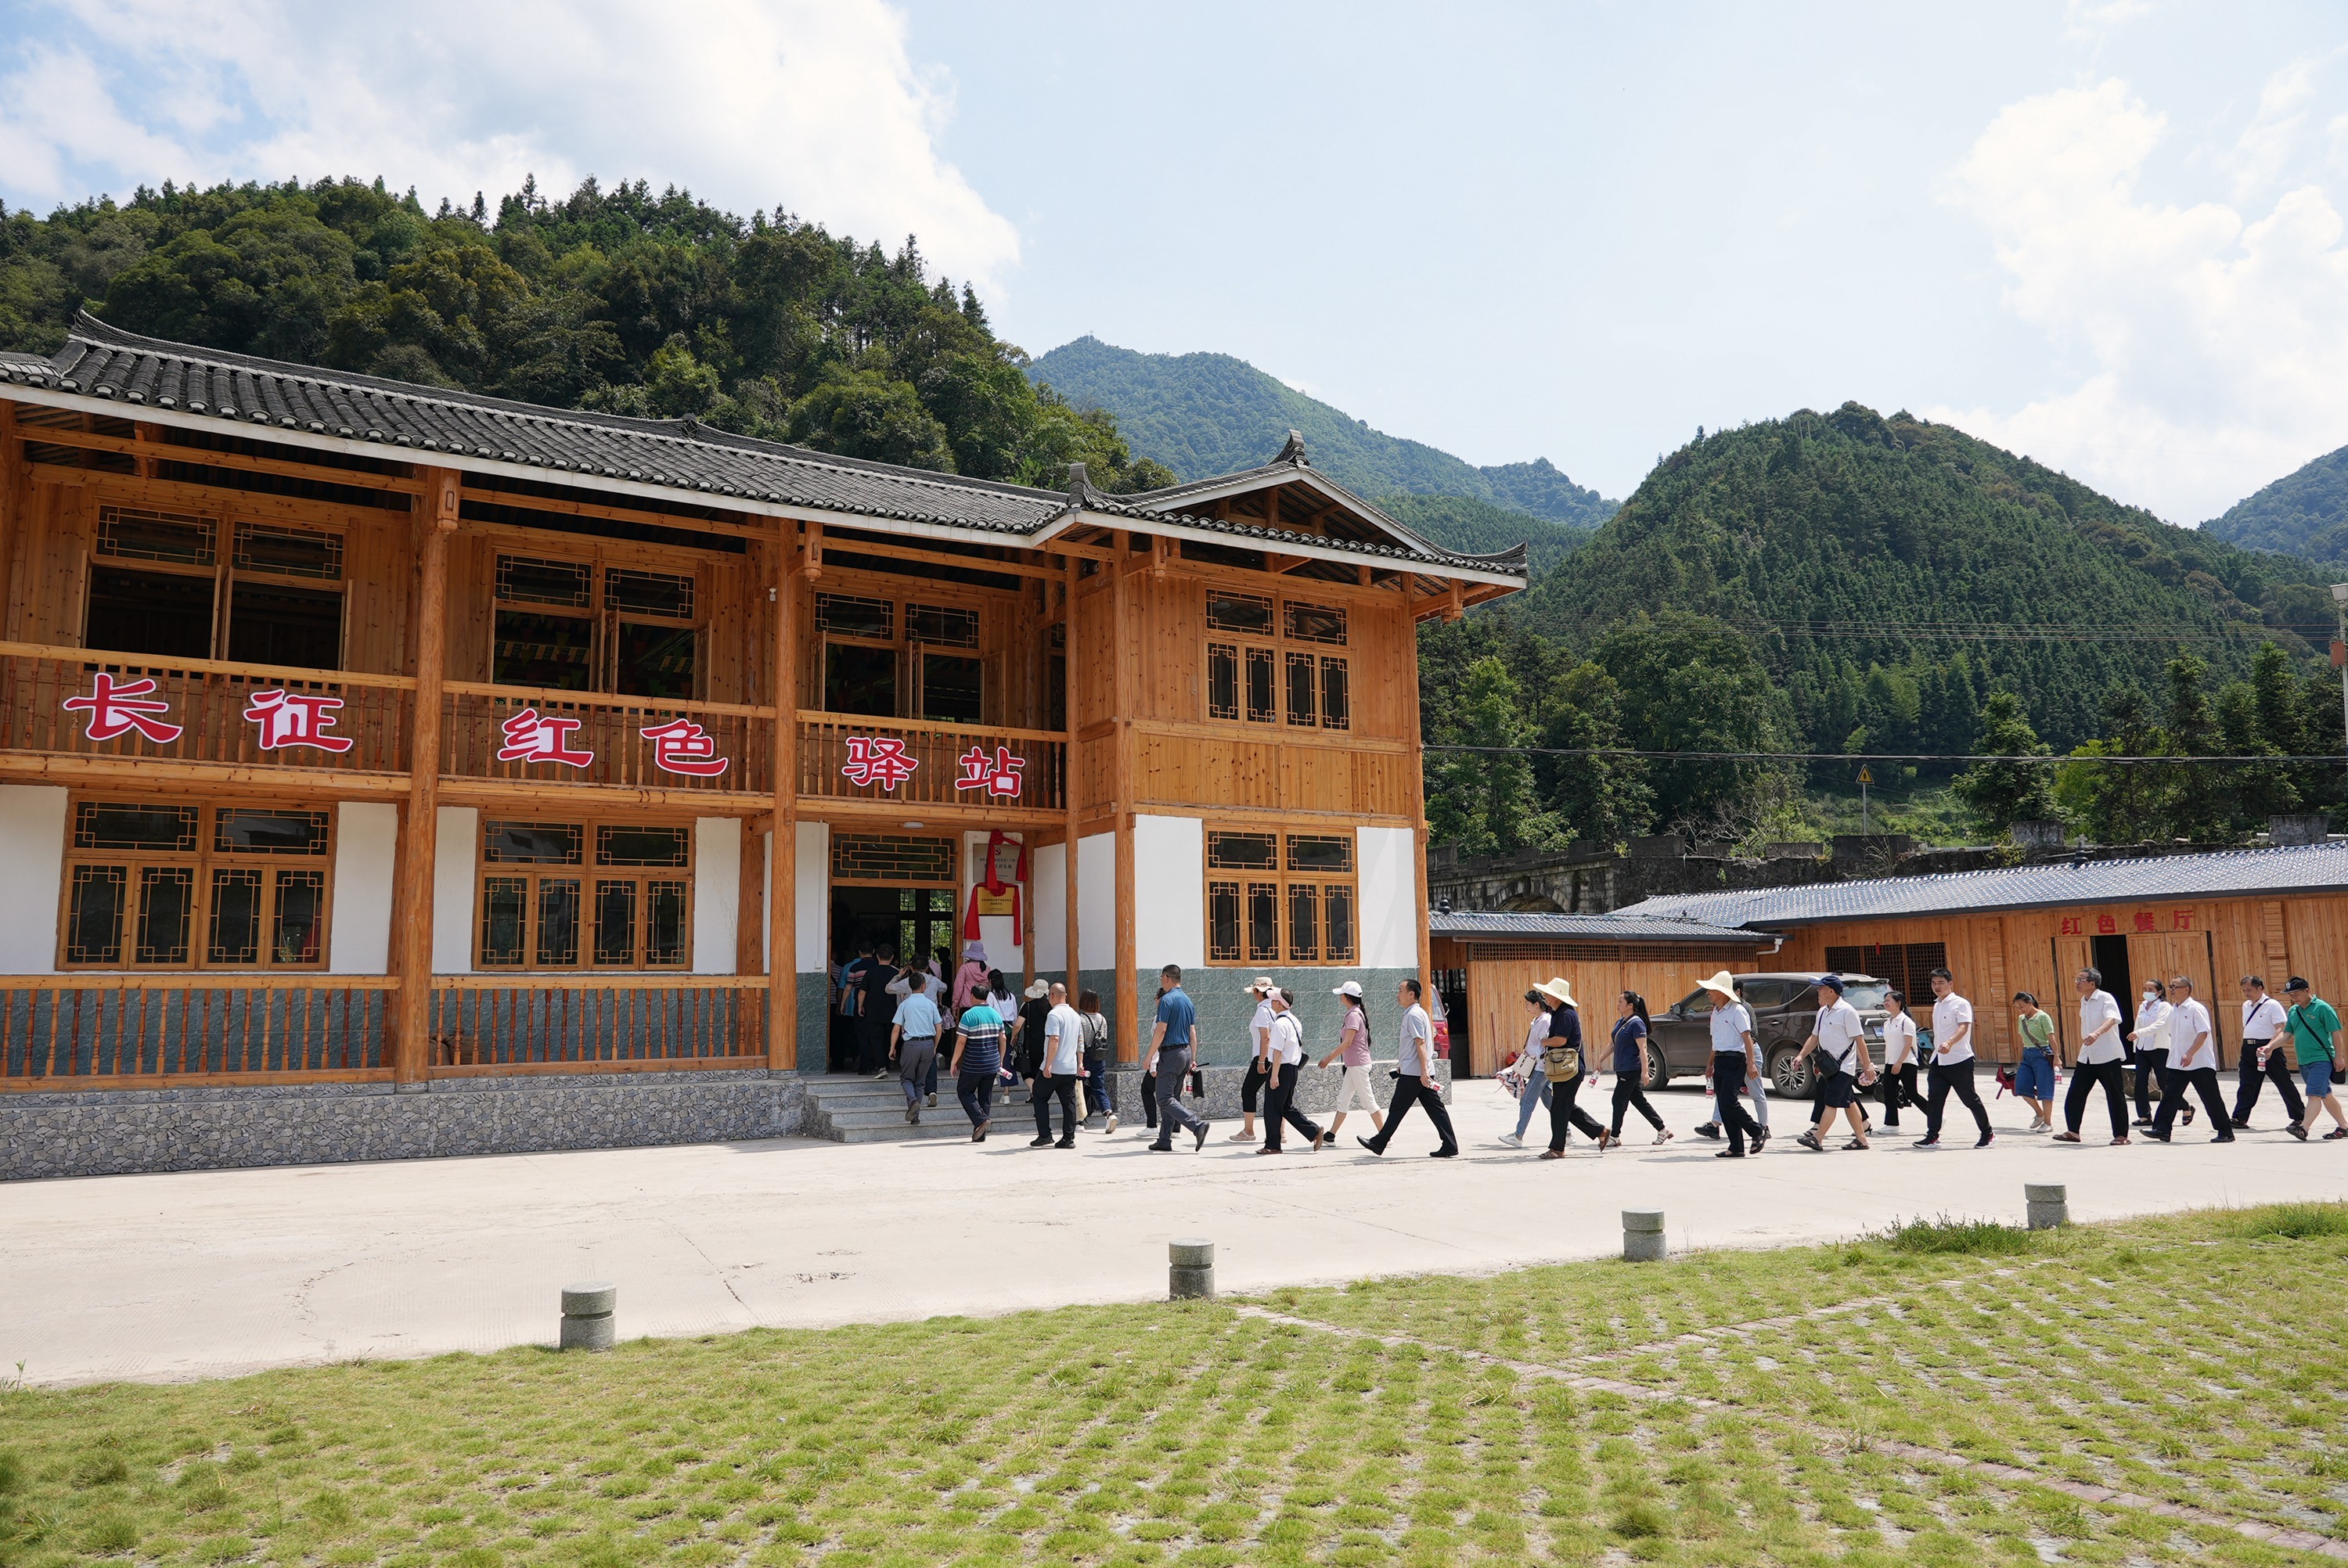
(2236, 873)
(296, 400)
(1618, 927)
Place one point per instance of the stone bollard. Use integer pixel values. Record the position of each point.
(2049, 1205)
(1642, 1236)
(1190, 1271)
(587, 1315)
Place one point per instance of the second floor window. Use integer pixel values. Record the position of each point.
(892, 660)
(1277, 661)
(179, 586)
(585, 895)
(587, 626)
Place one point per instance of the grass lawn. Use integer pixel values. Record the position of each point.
(2193, 1359)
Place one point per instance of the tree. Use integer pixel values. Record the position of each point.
(2115, 802)
(2197, 801)
(1692, 684)
(1602, 798)
(1483, 801)
(2001, 794)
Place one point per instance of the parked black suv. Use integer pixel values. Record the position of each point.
(1783, 1006)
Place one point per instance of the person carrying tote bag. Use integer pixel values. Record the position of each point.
(1561, 1063)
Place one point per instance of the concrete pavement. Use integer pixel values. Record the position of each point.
(202, 1274)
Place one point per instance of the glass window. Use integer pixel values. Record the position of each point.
(655, 661)
(243, 830)
(942, 626)
(1336, 695)
(130, 533)
(662, 593)
(184, 887)
(532, 843)
(524, 579)
(1320, 852)
(1304, 923)
(642, 846)
(1244, 613)
(1299, 907)
(94, 919)
(1222, 680)
(110, 824)
(1303, 688)
(1260, 698)
(505, 901)
(288, 552)
(851, 616)
(556, 922)
(1313, 623)
(1242, 851)
(1263, 922)
(554, 652)
(609, 898)
(1223, 922)
(167, 910)
(615, 920)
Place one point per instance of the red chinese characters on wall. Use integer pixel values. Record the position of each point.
(682, 746)
(296, 719)
(997, 774)
(533, 737)
(2140, 922)
(116, 708)
(878, 760)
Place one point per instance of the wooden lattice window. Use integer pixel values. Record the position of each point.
(1281, 898)
(561, 625)
(572, 894)
(157, 578)
(171, 886)
(892, 859)
(1271, 680)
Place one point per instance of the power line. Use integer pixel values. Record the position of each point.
(1862, 756)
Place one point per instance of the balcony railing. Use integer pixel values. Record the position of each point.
(589, 1023)
(915, 762)
(78, 1032)
(594, 738)
(201, 709)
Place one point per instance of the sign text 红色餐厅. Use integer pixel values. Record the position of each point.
(2128, 922)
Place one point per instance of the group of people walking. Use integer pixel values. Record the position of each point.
(985, 1037)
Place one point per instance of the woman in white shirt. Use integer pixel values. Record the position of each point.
(1535, 1093)
(1898, 1080)
(2151, 1042)
(2098, 1061)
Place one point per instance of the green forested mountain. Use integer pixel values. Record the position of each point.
(1848, 582)
(1206, 413)
(1479, 528)
(618, 299)
(2304, 513)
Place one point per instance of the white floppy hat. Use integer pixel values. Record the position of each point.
(1040, 989)
(1350, 988)
(1263, 983)
(1557, 988)
(1723, 982)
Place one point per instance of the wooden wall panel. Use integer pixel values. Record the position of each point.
(1096, 698)
(1316, 778)
(380, 570)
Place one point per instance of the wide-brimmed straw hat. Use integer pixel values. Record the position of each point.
(1040, 989)
(1263, 984)
(1558, 990)
(1723, 982)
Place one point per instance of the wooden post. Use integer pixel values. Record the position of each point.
(1128, 983)
(1418, 823)
(783, 902)
(420, 842)
(1071, 773)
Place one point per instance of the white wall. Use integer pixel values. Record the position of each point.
(1047, 893)
(1389, 884)
(453, 860)
(366, 849)
(33, 852)
(1097, 901)
(1169, 900)
(814, 876)
(716, 892)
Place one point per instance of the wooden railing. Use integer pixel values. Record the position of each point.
(830, 765)
(478, 723)
(75, 1031)
(211, 704)
(579, 1023)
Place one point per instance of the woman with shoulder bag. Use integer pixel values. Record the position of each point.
(1561, 1063)
(1100, 1093)
(1532, 1092)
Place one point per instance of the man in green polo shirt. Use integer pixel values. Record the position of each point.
(2314, 1030)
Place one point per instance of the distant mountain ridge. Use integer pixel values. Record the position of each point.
(1207, 413)
(2304, 513)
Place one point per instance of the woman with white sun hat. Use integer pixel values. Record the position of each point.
(1562, 1062)
(1735, 1060)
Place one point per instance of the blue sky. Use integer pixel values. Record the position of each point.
(2107, 234)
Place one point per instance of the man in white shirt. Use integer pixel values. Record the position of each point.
(1414, 1078)
(1735, 1055)
(1952, 1063)
(1841, 1042)
(2262, 1055)
(1062, 1064)
(1259, 1063)
(2192, 1064)
(2150, 1038)
(1286, 1047)
(2099, 1060)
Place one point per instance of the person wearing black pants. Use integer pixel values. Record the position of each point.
(2193, 1056)
(1414, 1078)
(1286, 1059)
(1898, 1082)
(2150, 1038)
(1952, 1063)
(2099, 1061)
(2262, 1057)
(1631, 1065)
(1734, 1051)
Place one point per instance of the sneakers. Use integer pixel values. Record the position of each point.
(911, 1116)
(1065, 1144)
(2223, 1138)
(1663, 1136)
(1242, 1136)
(1927, 1143)
(1984, 1140)
(1200, 1134)
(932, 1103)
(1512, 1140)
(2040, 1124)
(1112, 1125)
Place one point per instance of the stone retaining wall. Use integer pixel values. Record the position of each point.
(96, 1133)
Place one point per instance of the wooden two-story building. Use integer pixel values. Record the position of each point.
(361, 741)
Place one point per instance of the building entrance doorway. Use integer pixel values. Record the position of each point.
(895, 891)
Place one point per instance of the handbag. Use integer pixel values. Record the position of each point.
(1562, 1064)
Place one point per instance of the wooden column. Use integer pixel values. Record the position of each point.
(783, 901)
(1418, 808)
(1073, 773)
(1128, 983)
(419, 840)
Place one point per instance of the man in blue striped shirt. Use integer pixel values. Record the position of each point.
(977, 1058)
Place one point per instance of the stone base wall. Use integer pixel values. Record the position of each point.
(103, 1132)
(1316, 1090)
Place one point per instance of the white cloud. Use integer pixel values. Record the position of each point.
(811, 106)
(2211, 348)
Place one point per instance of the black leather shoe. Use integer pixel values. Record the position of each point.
(1365, 1142)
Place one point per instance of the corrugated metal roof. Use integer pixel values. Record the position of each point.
(1616, 927)
(2236, 873)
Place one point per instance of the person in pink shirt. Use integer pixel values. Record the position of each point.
(1354, 1050)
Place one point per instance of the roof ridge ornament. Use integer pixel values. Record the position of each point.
(1294, 451)
(1082, 496)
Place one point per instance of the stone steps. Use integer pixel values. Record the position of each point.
(862, 1111)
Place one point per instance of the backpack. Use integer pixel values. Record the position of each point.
(1096, 1038)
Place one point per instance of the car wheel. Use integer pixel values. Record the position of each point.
(1791, 1077)
(1659, 1071)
